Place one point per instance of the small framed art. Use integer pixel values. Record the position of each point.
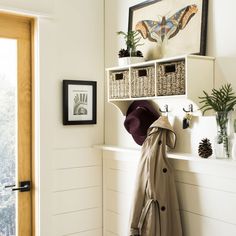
(79, 102)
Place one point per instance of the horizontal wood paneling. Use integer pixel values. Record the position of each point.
(75, 200)
(77, 192)
(197, 225)
(77, 178)
(225, 169)
(96, 232)
(72, 158)
(66, 224)
(118, 203)
(109, 234)
(208, 202)
(207, 195)
(207, 181)
(115, 223)
(120, 181)
(124, 165)
(119, 177)
(126, 161)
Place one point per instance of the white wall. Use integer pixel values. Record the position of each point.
(116, 19)
(220, 44)
(71, 46)
(201, 189)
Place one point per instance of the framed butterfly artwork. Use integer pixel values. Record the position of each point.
(170, 27)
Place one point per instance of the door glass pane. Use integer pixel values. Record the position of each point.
(8, 135)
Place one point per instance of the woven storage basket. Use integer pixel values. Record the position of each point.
(119, 84)
(143, 82)
(171, 78)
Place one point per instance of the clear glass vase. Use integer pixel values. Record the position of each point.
(222, 140)
(234, 147)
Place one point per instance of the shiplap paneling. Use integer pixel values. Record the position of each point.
(77, 222)
(206, 180)
(197, 225)
(220, 168)
(109, 234)
(77, 192)
(208, 202)
(75, 200)
(96, 232)
(120, 181)
(206, 190)
(118, 202)
(83, 177)
(72, 158)
(116, 223)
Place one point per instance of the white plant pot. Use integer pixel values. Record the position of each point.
(124, 61)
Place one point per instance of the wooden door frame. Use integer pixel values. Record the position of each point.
(32, 23)
(33, 162)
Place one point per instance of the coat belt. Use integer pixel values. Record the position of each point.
(144, 214)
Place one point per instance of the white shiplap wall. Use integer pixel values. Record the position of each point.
(206, 190)
(118, 178)
(70, 171)
(77, 192)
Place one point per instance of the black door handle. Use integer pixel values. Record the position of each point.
(24, 186)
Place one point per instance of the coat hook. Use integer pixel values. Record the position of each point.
(166, 109)
(190, 108)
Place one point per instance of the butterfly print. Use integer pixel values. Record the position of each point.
(166, 28)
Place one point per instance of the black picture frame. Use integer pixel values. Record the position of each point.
(203, 24)
(79, 102)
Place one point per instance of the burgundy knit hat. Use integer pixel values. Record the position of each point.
(140, 115)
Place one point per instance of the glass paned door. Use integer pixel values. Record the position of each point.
(8, 137)
(15, 126)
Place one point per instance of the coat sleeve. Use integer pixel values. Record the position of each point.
(139, 195)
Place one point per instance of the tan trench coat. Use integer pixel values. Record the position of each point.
(155, 210)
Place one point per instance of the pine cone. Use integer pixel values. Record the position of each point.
(205, 149)
(139, 54)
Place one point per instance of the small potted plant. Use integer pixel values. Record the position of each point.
(130, 54)
(222, 101)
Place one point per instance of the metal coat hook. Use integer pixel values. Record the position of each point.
(190, 108)
(166, 109)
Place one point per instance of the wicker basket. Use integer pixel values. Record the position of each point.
(119, 84)
(171, 78)
(143, 82)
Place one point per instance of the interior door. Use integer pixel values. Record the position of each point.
(15, 126)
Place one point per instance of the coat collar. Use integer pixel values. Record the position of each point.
(163, 123)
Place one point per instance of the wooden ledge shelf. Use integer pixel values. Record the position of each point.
(117, 149)
(173, 156)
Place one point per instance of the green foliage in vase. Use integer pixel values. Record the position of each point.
(222, 136)
(223, 99)
(234, 125)
(132, 39)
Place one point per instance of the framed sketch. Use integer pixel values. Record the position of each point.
(79, 102)
(170, 27)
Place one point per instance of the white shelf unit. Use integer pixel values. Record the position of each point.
(199, 76)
